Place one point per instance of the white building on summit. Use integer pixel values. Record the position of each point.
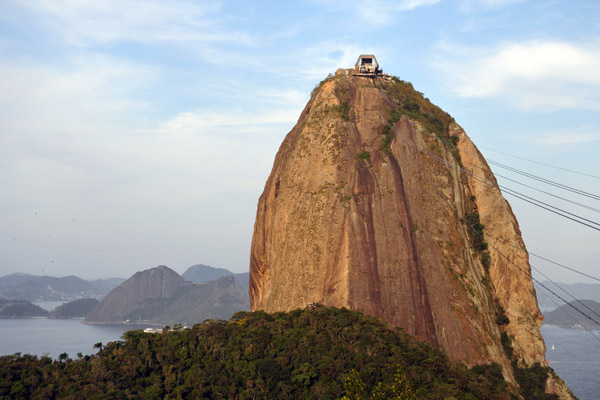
(367, 65)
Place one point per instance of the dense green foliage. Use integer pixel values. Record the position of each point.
(477, 235)
(345, 111)
(532, 381)
(412, 103)
(304, 354)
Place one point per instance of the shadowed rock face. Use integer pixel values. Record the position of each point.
(354, 217)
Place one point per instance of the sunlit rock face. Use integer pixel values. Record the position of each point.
(365, 209)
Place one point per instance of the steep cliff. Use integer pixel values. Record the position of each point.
(378, 201)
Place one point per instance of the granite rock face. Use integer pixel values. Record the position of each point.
(375, 202)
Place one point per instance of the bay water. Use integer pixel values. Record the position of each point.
(575, 356)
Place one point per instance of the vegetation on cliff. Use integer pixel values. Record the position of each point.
(325, 353)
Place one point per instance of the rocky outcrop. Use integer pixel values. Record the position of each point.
(378, 201)
(156, 283)
(160, 296)
(218, 299)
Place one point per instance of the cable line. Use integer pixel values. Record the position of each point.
(572, 317)
(560, 185)
(538, 190)
(547, 181)
(564, 266)
(546, 259)
(549, 207)
(564, 290)
(540, 163)
(572, 355)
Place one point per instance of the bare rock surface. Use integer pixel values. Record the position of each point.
(375, 202)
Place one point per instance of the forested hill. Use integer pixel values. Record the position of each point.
(325, 353)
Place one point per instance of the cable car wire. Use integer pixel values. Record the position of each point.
(544, 180)
(536, 189)
(540, 163)
(564, 266)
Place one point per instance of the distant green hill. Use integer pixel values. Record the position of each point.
(325, 353)
(74, 309)
(20, 309)
(566, 316)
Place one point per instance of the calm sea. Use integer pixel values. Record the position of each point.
(41, 336)
(575, 358)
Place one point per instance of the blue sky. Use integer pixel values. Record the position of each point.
(138, 133)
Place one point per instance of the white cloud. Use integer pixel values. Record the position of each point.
(534, 75)
(377, 12)
(233, 122)
(92, 91)
(563, 138)
(382, 12)
(472, 4)
(92, 22)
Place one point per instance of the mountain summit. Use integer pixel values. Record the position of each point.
(378, 201)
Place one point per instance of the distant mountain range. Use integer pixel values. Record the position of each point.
(581, 291)
(566, 316)
(160, 296)
(49, 288)
(157, 296)
(200, 273)
(37, 288)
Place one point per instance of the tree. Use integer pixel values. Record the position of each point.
(402, 388)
